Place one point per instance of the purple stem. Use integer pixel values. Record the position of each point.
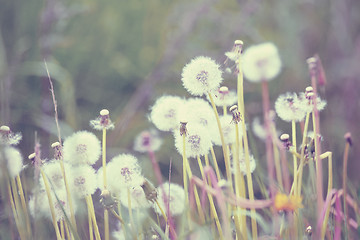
(337, 234)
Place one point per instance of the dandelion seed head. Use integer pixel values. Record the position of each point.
(261, 62)
(197, 141)
(164, 113)
(14, 161)
(242, 164)
(223, 97)
(147, 140)
(102, 121)
(53, 172)
(82, 148)
(228, 129)
(82, 180)
(201, 75)
(122, 171)
(137, 197)
(289, 107)
(307, 102)
(176, 198)
(197, 111)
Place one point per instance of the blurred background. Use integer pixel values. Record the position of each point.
(123, 55)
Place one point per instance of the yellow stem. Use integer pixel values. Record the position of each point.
(16, 215)
(211, 201)
(106, 213)
(24, 205)
(130, 211)
(91, 232)
(161, 210)
(90, 204)
(68, 235)
(241, 106)
(52, 210)
(277, 158)
(302, 158)
(62, 230)
(217, 171)
(293, 128)
(186, 190)
(330, 181)
(68, 194)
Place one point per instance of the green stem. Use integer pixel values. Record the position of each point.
(330, 183)
(24, 205)
(302, 158)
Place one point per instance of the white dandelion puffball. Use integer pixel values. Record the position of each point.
(228, 129)
(82, 180)
(224, 98)
(14, 161)
(242, 164)
(8, 137)
(197, 141)
(198, 111)
(164, 113)
(261, 62)
(201, 75)
(82, 148)
(289, 107)
(53, 173)
(176, 198)
(137, 198)
(147, 140)
(122, 171)
(307, 104)
(60, 204)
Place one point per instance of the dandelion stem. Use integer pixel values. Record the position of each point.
(24, 205)
(279, 176)
(211, 200)
(345, 163)
(91, 232)
(241, 106)
(68, 236)
(293, 129)
(319, 183)
(90, 205)
(216, 166)
(62, 230)
(161, 210)
(52, 210)
(302, 157)
(186, 183)
(117, 216)
(15, 213)
(106, 213)
(330, 183)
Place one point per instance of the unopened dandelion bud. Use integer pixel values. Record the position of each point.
(149, 190)
(348, 138)
(107, 200)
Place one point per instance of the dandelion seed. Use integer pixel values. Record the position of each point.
(175, 198)
(103, 121)
(201, 75)
(14, 161)
(261, 62)
(164, 113)
(82, 148)
(289, 107)
(147, 140)
(82, 180)
(7, 137)
(197, 141)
